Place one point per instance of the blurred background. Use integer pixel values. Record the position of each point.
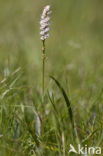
(75, 45)
(74, 49)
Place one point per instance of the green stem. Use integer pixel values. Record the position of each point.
(43, 75)
(43, 70)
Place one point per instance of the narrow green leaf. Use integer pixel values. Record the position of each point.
(66, 100)
(89, 136)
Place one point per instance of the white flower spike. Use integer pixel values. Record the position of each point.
(45, 22)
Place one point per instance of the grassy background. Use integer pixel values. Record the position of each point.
(74, 56)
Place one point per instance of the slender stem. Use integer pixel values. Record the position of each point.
(43, 66)
(43, 76)
(43, 83)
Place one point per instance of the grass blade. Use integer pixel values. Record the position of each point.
(67, 101)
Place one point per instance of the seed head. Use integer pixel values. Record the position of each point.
(45, 22)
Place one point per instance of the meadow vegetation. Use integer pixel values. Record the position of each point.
(73, 100)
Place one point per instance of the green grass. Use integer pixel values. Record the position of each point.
(74, 58)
